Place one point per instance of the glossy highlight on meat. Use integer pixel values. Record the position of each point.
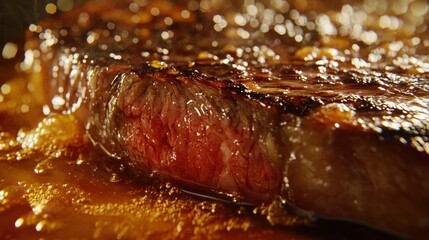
(216, 97)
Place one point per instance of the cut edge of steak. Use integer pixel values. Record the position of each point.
(187, 130)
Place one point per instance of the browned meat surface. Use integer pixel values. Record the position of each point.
(211, 98)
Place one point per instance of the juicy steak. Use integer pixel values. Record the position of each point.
(188, 130)
(189, 95)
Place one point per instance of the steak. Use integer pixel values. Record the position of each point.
(215, 97)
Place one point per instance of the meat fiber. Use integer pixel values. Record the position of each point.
(192, 94)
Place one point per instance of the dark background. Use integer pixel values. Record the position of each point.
(15, 17)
